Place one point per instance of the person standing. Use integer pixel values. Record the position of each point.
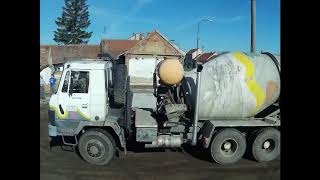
(42, 88)
(52, 84)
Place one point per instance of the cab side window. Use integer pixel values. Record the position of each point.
(66, 82)
(79, 82)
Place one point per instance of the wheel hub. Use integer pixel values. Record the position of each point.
(266, 144)
(227, 145)
(95, 148)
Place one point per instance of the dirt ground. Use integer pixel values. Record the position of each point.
(58, 164)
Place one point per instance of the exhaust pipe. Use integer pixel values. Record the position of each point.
(196, 109)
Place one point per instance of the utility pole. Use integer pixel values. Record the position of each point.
(209, 20)
(253, 26)
(198, 35)
(104, 29)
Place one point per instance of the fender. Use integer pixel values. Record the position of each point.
(74, 127)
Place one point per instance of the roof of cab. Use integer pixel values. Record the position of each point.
(88, 64)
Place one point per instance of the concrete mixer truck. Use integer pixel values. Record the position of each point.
(229, 106)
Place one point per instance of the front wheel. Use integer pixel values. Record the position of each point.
(97, 146)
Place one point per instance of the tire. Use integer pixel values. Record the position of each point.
(120, 84)
(228, 146)
(272, 149)
(103, 146)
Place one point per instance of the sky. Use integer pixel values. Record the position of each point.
(177, 20)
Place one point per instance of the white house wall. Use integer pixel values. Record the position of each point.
(141, 70)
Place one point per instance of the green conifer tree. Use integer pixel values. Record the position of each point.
(73, 23)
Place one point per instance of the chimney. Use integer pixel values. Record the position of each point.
(104, 46)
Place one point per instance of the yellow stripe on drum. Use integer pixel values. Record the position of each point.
(253, 85)
(57, 112)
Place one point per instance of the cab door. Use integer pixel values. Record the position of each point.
(79, 100)
(73, 97)
(63, 96)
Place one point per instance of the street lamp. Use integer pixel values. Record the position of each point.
(209, 20)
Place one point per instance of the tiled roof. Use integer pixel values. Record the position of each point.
(205, 57)
(117, 47)
(192, 51)
(156, 43)
(60, 53)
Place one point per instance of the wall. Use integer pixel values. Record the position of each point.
(141, 70)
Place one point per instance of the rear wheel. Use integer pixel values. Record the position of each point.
(266, 146)
(97, 146)
(228, 146)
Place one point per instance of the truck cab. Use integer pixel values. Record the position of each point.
(81, 96)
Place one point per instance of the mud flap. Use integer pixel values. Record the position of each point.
(206, 132)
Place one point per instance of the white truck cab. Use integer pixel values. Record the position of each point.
(81, 95)
(81, 105)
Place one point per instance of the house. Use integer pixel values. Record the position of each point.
(59, 54)
(142, 56)
(114, 49)
(189, 62)
(197, 56)
(137, 36)
(193, 53)
(205, 57)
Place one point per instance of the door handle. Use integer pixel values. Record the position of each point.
(84, 106)
(61, 109)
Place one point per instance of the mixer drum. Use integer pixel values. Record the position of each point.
(235, 85)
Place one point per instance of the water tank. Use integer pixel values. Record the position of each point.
(170, 71)
(236, 85)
